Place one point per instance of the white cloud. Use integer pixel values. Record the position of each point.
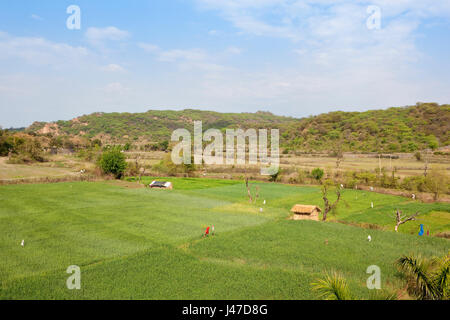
(339, 60)
(40, 51)
(234, 50)
(295, 19)
(321, 57)
(116, 88)
(183, 55)
(174, 55)
(188, 60)
(151, 48)
(97, 36)
(36, 17)
(113, 68)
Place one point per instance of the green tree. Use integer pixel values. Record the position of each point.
(164, 145)
(437, 182)
(432, 142)
(6, 143)
(127, 146)
(96, 142)
(113, 162)
(317, 174)
(418, 156)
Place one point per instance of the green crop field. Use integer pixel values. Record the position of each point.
(141, 243)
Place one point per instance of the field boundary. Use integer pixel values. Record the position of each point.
(54, 179)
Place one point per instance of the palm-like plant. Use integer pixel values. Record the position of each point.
(428, 279)
(332, 287)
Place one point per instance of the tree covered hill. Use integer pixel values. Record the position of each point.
(403, 129)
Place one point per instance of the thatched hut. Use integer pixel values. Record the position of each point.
(304, 212)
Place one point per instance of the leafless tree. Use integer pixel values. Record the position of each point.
(250, 199)
(339, 154)
(257, 193)
(401, 219)
(327, 205)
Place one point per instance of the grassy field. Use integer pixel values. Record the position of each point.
(57, 166)
(140, 243)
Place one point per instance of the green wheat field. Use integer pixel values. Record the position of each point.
(141, 243)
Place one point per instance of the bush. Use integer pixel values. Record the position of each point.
(366, 177)
(274, 177)
(302, 175)
(167, 167)
(317, 174)
(418, 156)
(89, 154)
(113, 162)
(350, 182)
(30, 151)
(416, 183)
(437, 182)
(6, 143)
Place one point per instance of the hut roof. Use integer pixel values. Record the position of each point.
(304, 209)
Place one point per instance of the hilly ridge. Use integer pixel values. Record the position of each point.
(401, 129)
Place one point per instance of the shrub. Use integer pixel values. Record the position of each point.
(418, 156)
(350, 182)
(317, 174)
(113, 162)
(167, 167)
(6, 143)
(30, 150)
(437, 182)
(89, 154)
(366, 177)
(416, 183)
(302, 175)
(127, 146)
(274, 177)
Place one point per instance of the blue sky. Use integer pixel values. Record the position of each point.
(290, 57)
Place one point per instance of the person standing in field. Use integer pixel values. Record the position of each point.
(206, 232)
(212, 230)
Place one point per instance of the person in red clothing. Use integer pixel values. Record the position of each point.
(206, 232)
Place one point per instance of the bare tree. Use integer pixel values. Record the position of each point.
(339, 154)
(141, 173)
(250, 199)
(140, 169)
(257, 193)
(425, 169)
(327, 205)
(401, 219)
